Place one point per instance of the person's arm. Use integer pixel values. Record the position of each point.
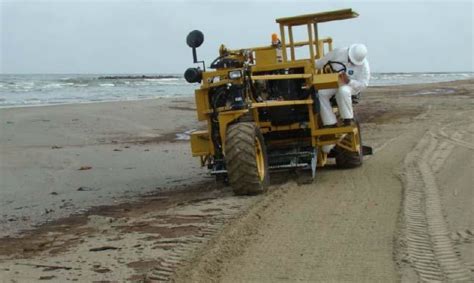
(323, 61)
(362, 81)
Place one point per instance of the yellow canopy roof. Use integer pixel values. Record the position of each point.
(318, 17)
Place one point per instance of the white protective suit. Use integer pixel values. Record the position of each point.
(359, 76)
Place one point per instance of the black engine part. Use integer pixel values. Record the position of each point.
(222, 63)
(286, 90)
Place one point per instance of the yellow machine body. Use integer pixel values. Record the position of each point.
(264, 60)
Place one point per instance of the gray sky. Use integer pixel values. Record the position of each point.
(149, 36)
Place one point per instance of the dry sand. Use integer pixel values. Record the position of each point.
(407, 214)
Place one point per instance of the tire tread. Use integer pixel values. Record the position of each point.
(240, 159)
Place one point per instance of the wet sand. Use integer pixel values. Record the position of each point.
(347, 225)
(58, 160)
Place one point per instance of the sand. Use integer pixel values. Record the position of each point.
(407, 214)
(131, 148)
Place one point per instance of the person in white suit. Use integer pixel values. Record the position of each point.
(351, 82)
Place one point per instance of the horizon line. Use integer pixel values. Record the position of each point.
(172, 73)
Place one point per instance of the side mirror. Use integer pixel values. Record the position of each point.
(195, 39)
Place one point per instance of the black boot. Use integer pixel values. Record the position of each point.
(330, 126)
(348, 122)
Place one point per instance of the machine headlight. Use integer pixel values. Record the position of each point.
(235, 74)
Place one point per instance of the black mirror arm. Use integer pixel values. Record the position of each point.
(196, 60)
(194, 55)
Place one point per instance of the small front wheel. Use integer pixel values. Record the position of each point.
(246, 159)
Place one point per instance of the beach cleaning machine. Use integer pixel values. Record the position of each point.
(262, 110)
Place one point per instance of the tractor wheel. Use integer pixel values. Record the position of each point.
(246, 159)
(348, 159)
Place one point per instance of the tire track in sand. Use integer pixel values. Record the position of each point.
(429, 248)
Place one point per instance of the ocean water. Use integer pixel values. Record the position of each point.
(37, 90)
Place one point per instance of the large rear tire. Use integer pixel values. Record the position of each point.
(348, 159)
(246, 159)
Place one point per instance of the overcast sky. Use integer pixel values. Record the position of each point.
(149, 36)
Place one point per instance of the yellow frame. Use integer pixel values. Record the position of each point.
(346, 137)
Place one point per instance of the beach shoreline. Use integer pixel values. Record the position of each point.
(62, 89)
